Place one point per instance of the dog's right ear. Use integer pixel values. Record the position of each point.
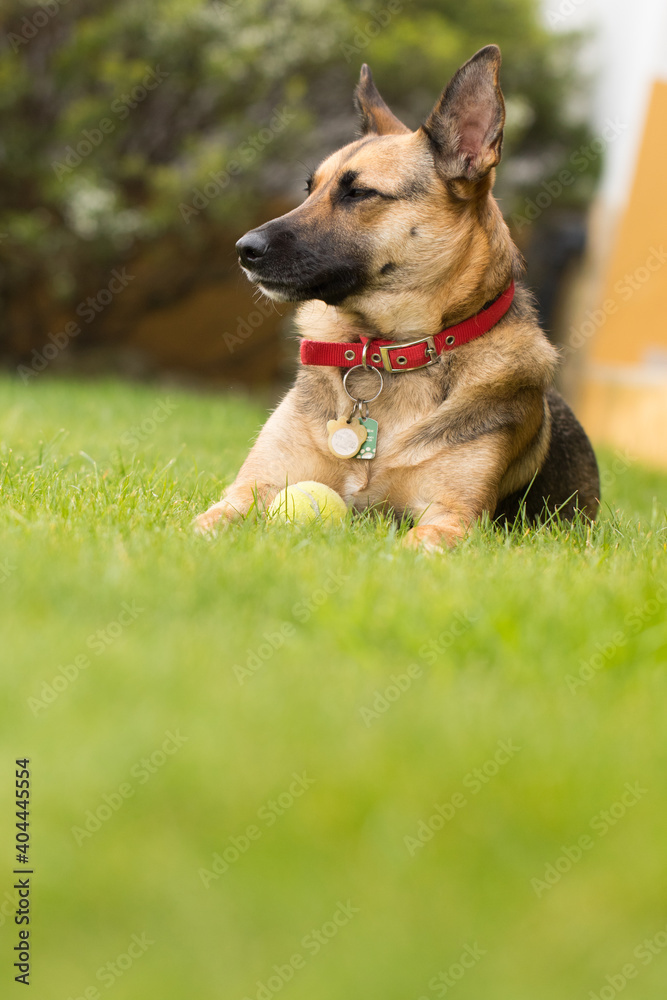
(374, 115)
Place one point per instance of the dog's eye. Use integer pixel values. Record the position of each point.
(356, 194)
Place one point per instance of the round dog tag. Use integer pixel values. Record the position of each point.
(344, 443)
(345, 439)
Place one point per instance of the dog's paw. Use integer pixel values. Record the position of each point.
(430, 538)
(216, 517)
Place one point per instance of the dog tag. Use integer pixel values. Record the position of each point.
(369, 447)
(345, 437)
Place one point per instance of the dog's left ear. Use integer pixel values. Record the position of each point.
(375, 117)
(465, 128)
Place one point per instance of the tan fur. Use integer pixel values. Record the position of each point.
(458, 436)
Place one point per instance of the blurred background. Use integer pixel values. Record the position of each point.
(140, 140)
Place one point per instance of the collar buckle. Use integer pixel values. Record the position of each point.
(430, 353)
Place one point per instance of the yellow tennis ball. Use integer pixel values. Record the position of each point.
(306, 502)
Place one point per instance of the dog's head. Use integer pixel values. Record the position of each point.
(395, 210)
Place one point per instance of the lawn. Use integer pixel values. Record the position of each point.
(308, 763)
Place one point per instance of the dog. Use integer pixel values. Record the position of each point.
(410, 284)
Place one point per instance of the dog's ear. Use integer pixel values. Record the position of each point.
(374, 115)
(465, 128)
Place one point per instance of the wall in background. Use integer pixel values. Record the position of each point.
(616, 342)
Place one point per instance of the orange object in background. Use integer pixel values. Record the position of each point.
(624, 392)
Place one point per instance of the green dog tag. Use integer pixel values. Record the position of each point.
(369, 447)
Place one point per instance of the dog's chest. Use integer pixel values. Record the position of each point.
(369, 482)
(405, 401)
(361, 486)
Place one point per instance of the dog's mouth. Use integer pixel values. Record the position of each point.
(331, 288)
(291, 266)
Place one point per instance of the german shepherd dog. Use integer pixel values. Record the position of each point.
(400, 238)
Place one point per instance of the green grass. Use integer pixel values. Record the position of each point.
(489, 639)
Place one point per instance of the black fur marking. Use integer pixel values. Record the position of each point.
(410, 190)
(387, 268)
(429, 135)
(347, 179)
(523, 308)
(414, 231)
(569, 475)
(300, 265)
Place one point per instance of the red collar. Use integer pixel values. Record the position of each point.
(406, 357)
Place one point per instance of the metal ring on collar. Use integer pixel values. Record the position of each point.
(348, 372)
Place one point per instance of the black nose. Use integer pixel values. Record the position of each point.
(251, 247)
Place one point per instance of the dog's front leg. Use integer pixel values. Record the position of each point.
(283, 453)
(441, 526)
(236, 504)
(463, 483)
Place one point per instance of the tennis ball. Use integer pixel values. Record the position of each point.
(307, 502)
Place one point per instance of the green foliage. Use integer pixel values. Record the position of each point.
(219, 72)
(98, 515)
